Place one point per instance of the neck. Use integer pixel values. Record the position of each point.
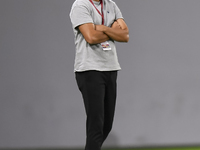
(97, 0)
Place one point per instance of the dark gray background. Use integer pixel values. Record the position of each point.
(158, 87)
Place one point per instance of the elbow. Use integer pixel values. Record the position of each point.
(126, 39)
(91, 40)
(126, 36)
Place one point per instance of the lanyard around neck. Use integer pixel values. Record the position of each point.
(101, 13)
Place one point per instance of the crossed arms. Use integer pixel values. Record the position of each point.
(95, 34)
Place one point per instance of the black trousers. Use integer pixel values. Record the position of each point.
(98, 89)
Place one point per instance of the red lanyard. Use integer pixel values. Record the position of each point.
(101, 13)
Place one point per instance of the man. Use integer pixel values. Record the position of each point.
(96, 25)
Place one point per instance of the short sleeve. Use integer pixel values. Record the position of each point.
(80, 15)
(117, 12)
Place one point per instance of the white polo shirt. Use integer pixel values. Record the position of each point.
(93, 57)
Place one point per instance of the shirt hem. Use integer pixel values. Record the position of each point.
(117, 69)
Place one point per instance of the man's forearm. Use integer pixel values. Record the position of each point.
(115, 32)
(119, 35)
(91, 35)
(99, 37)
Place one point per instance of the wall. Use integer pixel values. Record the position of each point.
(158, 86)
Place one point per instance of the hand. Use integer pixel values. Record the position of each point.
(116, 25)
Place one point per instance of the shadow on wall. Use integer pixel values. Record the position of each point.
(111, 141)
